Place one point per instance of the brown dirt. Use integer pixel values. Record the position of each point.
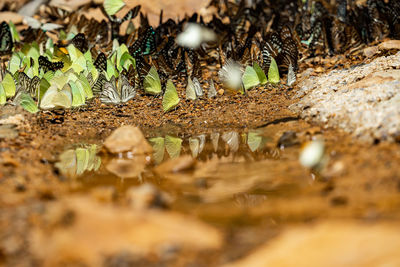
(366, 187)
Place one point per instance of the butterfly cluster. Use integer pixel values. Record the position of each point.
(247, 43)
(347, 24)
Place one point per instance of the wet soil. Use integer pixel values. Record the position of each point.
(250, 197)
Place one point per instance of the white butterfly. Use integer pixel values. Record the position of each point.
(211, 91)
(231, 75)
(193, 89)
(113, 94)
(194, 35)
(35, 24)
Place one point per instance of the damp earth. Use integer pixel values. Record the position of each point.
(216, 182)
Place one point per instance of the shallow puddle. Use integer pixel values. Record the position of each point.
(214, 175)
(248, 184)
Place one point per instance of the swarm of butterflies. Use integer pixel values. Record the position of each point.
(249, 42)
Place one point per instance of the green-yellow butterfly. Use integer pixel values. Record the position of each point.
(171, 98)
(152, 83)
(173, 146)
(113, 6)
(28, 103)
(260, 73)
(250, 78)
(3, 97)
(9, 85)
(273, 72)
(55, 98)
(78, 94)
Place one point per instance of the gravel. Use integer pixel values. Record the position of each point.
(363, 100)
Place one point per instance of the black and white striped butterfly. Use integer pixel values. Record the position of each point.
(47, 65)
(98, 84)
(117, 92)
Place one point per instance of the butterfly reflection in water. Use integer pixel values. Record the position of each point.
(117, 92)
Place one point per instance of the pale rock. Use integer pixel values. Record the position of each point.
(128, 139)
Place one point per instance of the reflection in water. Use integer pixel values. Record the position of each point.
(173, 146)
(203, 146)
(251, 146)
(237, 169)
(232, 140)
(158, 148)
(75, 162)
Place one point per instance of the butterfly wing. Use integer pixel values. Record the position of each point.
(113, 6)
(291, 77)
(273, 72)
(110, 95)
(101, 62)
(152, 83)
(99, 84)
(211, 91)
(250, 78)
(171, 98)
(80, 42)
(6, 43)
(190, 91)
(197, 87)
(127, 91)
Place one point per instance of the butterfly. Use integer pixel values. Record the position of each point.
(211, 91)
(289, 54)
(192, 64)
(97, 86)
(231, 75)
(272, 47)
(291, 77)
(152, 84)
(170, 98)
(55, 98)
(273, 72)
(144, 45)
(35, 24)
(80, 42)
(101, 62)
(114, 93)
(250, 78)
(149, 43)
(26, 84)
(194, 35)
(26, 101)
(142, 69)
(113, 6)
(116, 22)
(6, 43)
(193, 89)
(47, 65)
